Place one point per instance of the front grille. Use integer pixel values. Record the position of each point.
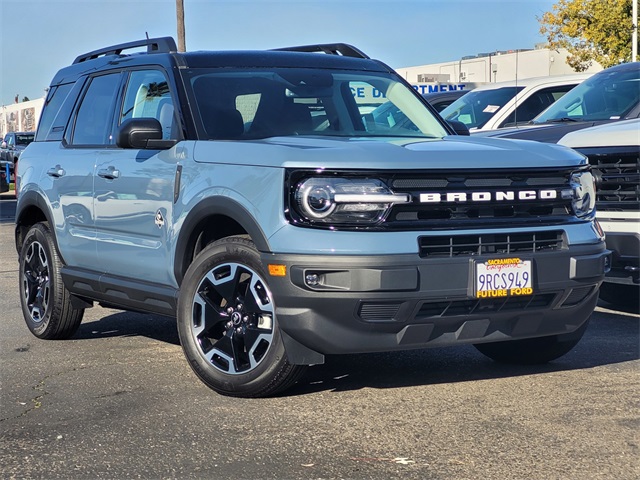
(506, 243)
(482, 198)
(484, 306)
(617, 172)
(454, 199)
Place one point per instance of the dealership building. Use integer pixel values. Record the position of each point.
(500, 66)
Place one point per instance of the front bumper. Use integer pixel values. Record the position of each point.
(398, 302)
(623, 239)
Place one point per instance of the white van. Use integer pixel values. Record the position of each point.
(506, 104)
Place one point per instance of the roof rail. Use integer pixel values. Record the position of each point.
(154, 45)
(343, 49)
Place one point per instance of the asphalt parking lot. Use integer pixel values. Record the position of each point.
(119, 401)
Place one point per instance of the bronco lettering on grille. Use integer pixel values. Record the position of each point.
(499, 196)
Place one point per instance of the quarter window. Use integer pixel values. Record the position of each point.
(53, 104)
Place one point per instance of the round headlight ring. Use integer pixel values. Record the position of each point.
(317, 201)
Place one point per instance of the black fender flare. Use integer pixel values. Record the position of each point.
(28, 199)
(215, 206)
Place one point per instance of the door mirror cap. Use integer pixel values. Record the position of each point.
(142, 133)
(458, 127)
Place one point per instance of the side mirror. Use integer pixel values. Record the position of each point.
(458, 127)
(3, 145)
(142, 133)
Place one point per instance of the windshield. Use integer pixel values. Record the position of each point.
(249, 104)
(477, 107)
(24, 139)
(604, 96)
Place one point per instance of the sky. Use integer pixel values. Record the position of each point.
(38, 37)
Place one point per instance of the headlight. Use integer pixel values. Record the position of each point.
(331, 200)
(584, 193)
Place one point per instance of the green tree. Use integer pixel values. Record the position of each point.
(591, 30)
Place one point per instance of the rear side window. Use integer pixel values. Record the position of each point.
(94, 120)
(535, 104)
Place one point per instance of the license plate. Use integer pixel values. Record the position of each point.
(503, 277)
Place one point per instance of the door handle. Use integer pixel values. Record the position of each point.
(56, 172)
(109, 173)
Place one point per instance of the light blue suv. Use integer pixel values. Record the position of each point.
(255, 197)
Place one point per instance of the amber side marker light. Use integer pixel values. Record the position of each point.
(277, 270)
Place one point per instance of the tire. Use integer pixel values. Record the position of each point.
(621, 295)
(227, 323)
(532, 351)
(46, 303)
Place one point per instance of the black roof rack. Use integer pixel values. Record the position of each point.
(154, 45)
(343, 49)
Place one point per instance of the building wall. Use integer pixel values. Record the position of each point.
(20, 117)
(494, 67)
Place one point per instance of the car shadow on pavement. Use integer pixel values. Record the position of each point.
(130, 324)
(612, 338)
(627, 308)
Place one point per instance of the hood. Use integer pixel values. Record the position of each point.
(543, 132)
(618, 134)
(452, 152)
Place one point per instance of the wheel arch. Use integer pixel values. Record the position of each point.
(211, 219)
(31, 209)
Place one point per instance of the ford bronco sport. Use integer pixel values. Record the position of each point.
(253, 196)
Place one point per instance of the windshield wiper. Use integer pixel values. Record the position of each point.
(562, 120)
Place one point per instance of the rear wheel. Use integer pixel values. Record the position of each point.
(46, 303)
(227, 323)
(532, 351)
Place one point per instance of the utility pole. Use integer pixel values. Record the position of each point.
(634, 36)
(182, 47)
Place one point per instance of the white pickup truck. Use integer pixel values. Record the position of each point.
(507, 104)
(613, 150)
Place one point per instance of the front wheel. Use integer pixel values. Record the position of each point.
(227, 323)
(532, 351)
